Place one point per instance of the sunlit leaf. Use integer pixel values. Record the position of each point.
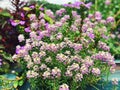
(15, 84)
(27, 9)
(50, 20)
(21, 82)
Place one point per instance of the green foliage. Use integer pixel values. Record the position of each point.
(48, 19)
(6, 58)
(5, 13)
(10, 82)
(53, 7)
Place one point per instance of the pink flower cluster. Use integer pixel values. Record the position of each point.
(78, 4)
(53, 53)
(96, 71)
(60, 12)
(92, 28)
(103, 46)
(105, 57)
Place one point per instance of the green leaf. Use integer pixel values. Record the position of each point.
(50, 20)
(21, 82)
(1, 47)
(0, 37)
(15, 84)
(7, 56)
(78, 32)
(5, 13)
(27, 9)
(2, 77)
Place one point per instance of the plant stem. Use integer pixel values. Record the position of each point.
(54, 86)
(96, 2)
(94, 87)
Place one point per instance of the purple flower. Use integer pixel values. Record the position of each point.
(91, 35)
(41, 8)
(59, 36)
(103, 46)
(60, 12)
(49, 13)
(84, 69)
(65, 5)
(34, 25)
(14, 23)
(77, 47)
(110, 19)
(74, 5)
(58, 24)
(77, 4)
(22, 15)
(108, 2)
(103, 21)
(41, 15)
(74, 13)
(88, 5)
(111, 62)
(74, 67)
(90, 16)
(32, 6)
(27, 29)
(0, 61)
(22, 22)
(32, 17)
(88, 61)
(32, 34)
(96, 71)
(98, 16)
(103, 56)
(78, 77)
(73, 28)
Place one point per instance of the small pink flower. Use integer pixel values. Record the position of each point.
(115, 81)
(108, 2)
(56, 72)
(78, 77)
(98, 16)
(96, 71)
(84, 69)
(32, 17)
(21, 38)
(14, 22)
(110, 19)
(46, 74)
(64, 87)
(22, 22)
(27, 29)
(68, 73)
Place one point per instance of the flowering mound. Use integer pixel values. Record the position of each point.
(64, 56)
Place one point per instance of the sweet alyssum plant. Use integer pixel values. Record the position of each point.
(63, 56)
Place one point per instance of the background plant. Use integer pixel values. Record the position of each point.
(110, 7)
